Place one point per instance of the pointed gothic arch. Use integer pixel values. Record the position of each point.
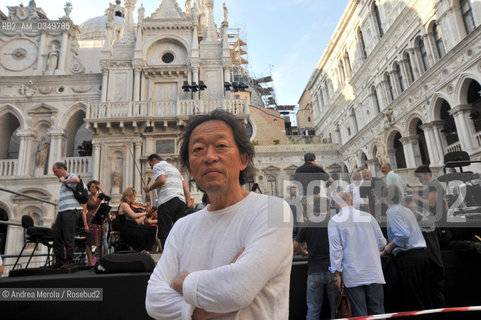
(395, 149)
(9, 124)
(75, 129)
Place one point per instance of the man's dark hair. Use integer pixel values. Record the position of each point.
(242, 141)
(423, 169)
(61, 165)
(154, 156)
(308, 157)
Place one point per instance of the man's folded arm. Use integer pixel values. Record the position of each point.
(234, 286)
(163, 302)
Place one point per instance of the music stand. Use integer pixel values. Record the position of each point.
(101, 215)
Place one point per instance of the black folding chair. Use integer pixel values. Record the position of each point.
(35, 235)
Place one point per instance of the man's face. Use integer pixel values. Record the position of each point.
(366, 175)
(152, 163)
(423, 177)
(58, 172)
(214, 159)
(384, 169)
(292, 191)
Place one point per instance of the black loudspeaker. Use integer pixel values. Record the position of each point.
(125, 262)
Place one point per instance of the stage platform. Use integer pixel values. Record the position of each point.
(124, 293)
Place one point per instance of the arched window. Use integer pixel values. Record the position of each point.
(409, 67)
(399, 76)
(467, 13)
(362, 43)
(375, 100)
(423, 54)
(390, 94)
(348, 65)
(377, 18)
(438, 39)
(449, 128)
(399, 151)
(341, 72)
(10, 141)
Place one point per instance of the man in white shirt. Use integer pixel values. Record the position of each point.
(355, 243)
(172, 194)
(392, 177)
(232, 259)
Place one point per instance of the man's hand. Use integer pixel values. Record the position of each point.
(338, 279)
(178, 282)
(146, 188)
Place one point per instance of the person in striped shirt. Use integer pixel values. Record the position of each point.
(68, 210)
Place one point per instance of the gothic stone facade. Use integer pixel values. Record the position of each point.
(400, 82)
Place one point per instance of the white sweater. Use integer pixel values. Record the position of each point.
(204, 243)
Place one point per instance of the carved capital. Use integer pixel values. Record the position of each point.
(56, 132)
(22, 133)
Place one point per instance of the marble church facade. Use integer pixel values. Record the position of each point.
(399, 82)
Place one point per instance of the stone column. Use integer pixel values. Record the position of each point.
(428, 44)
(105, 81)
(338, 137)
(464, 126)
(408, 152)
(433, 148)
(391, 155)
(136, 84)
(387, 92)
(26, 157)
(57, 137)
(413, 145)
(371, 165)
(63, 51)
(137, 177)
(414, 63)
(354, 122)
(405, 73)
(439, 139)
(393, 77)
(96, 150)
(381, 98)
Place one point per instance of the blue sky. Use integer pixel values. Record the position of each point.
(284, 37)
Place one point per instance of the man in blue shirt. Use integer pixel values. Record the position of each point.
(355, 242)
(407, 244)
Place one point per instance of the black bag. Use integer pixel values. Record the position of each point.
(125, 262)
(80, 193)
(342, 305)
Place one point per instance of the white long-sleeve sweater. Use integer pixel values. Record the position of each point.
(256, 286)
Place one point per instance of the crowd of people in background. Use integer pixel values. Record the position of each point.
(340, 232)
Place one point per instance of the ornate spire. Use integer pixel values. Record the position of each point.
(211, 32)
(127, 33)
